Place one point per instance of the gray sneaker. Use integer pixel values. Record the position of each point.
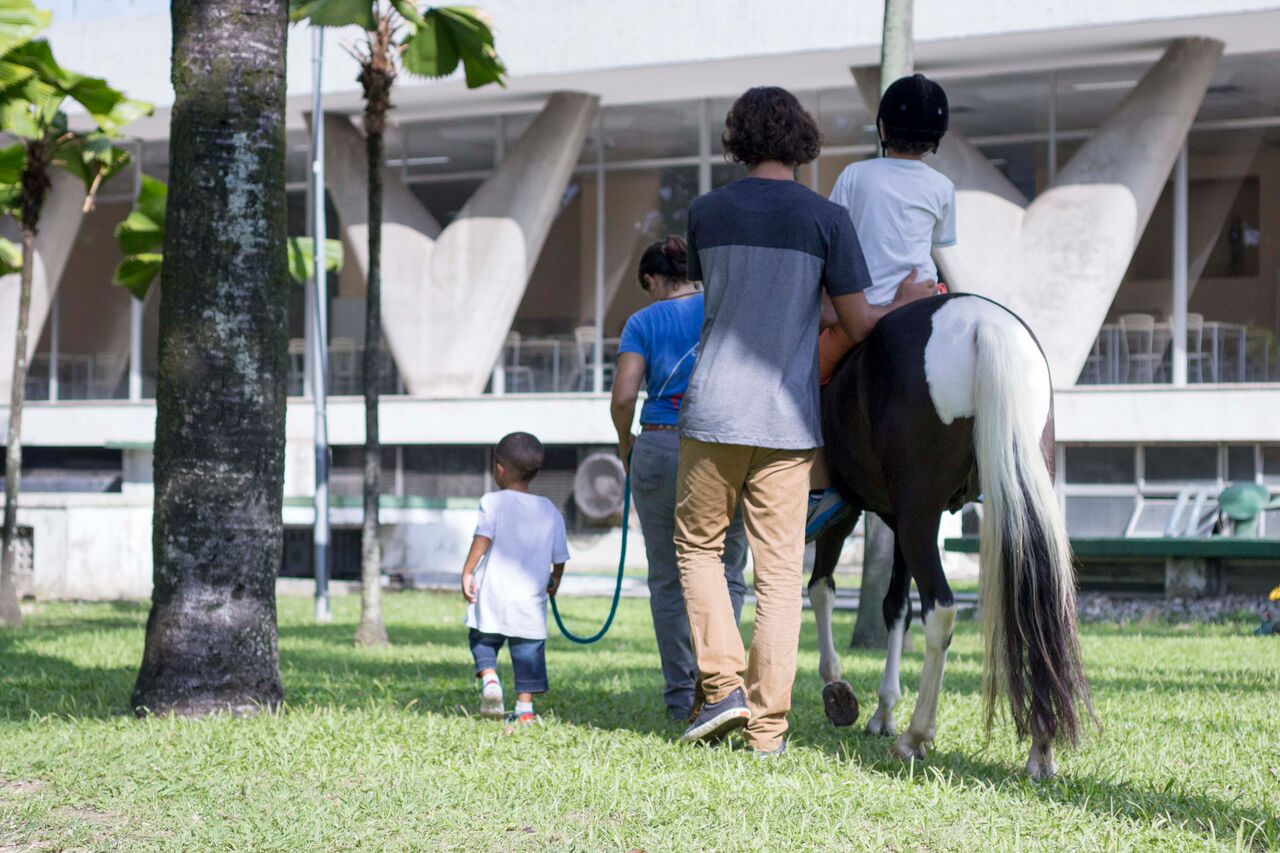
(717, 719)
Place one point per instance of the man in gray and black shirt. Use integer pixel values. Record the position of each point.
(765, 248)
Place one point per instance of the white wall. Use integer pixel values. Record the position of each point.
(90, 547)
(585, 44)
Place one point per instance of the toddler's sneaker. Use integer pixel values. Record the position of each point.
(520, 719)
(491, 707)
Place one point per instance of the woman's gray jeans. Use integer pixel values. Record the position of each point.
(654, 464)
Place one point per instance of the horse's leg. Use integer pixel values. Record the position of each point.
(1040, 761)
(897, 616)
(918, 539)
(838, 699)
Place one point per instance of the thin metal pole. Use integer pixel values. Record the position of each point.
(498, 382)
(1053, 127)
(597, 354)
(319, 333)
(135, 349)
(704, 146)
(1180, 268)
(54, 343)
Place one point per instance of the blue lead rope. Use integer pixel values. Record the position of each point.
(617, 589)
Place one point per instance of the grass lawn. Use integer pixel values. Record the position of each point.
(372, 754)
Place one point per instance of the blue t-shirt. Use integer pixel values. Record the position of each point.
(666, 334)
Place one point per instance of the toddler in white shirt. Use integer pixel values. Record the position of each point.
(516, 560)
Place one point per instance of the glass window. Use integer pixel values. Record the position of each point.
(1271, 464)
(1241, 464)
(441, 147)
(93, 314)
(726, 173)
(1022, 163)
(1233, 232)
(1086, 96)
(1271, 524)
(1233, 243)
(515, 124)
(829, 168)
(542, 353)
(1180, 463)
(444, 199)
(843, 117)
(70, 469)
(346, 471)
(641, 206)
(650, 131)
(1153, 516)
(983, 106)
(1098, 516)
(444, 471)
(155, 159)
(297, 158)
(1100, 465)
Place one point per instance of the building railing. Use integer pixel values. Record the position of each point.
(1133, 350)
(553, 364)
(1137, 349)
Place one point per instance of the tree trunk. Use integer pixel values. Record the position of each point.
(869, 631)
(10, 613)
(371, 631)
(220, 393)
(897, 45)
(897, 58)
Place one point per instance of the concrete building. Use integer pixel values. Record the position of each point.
(1119, 173)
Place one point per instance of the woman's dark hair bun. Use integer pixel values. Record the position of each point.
(667, 258)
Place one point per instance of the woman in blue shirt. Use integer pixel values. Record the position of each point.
(658, 348)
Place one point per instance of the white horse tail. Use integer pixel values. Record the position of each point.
(1027, 588)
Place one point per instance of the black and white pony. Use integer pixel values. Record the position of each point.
(947, 398)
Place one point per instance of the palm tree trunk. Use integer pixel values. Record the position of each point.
(869, 631)
(897, 58)
(211, 640)
(10, 613)
(372, 632)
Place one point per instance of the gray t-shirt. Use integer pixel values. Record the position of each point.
(764, 250)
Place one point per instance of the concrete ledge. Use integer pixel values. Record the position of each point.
(1219, 547)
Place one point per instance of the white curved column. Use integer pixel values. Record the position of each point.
(1059, 262)
(59, 225)
(449, 296)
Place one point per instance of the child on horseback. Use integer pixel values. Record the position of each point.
(902, 210)
(515, 562)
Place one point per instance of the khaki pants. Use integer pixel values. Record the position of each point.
(772, 486)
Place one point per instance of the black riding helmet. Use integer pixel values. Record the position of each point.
(914, 109)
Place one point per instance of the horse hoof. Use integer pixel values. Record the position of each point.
(1041, 771)
(840, 703)
(906, 748)
(881, 725)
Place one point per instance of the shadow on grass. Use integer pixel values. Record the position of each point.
(39, 685)
(612, 687)
(1211, 816)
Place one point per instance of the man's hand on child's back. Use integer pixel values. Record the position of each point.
(909, 290)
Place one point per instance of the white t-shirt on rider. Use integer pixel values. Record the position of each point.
(511, 581)
(901, 209)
